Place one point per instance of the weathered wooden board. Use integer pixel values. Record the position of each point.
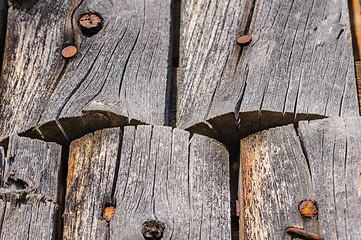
(3, 15)
(298, 66)
(274, 179)
(93, 161)
(333, 150)
(29, 189)
(279, 170)
(163, 175)
(119, 75)
(26, 216)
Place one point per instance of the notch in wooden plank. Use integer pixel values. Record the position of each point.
(118, 76)
(298, 66)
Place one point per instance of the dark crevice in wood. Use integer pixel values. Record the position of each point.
(63, 172)
(3, 22)
(303, 150)
(116, 171)
(174, 76)
(234, 154)
(353, 32)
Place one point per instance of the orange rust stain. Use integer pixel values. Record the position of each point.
(108, 213)
(69, 52)
(308, 209)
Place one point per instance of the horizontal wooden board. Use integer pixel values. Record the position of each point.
(298, 66)
(279, 169)
(119, 75)
(151, 173)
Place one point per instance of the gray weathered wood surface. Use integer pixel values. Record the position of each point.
(91, 174)
(29, 189)
(119, 75)
(163, 175)
(3, 15)
(333, 150)
(279, 170)
(298, 66)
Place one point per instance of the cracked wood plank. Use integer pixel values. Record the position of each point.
(29, 189)
(280, 169)
(298, 66)
(92, 165)
(180, 182)
(332, 148)
(163, 175)
(119, 75)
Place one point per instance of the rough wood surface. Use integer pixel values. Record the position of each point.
(298, 66)
(163, 176)
(332, 148)
(33, 164)
(274, 179)
(119, 75)
(3, 15)
(29, 189)
(279, 170)
(92, 167)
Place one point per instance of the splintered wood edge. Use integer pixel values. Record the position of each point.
(229, 130)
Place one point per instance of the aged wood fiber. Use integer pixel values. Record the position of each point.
(3, 13)
(91, 173)
(29, 189)
(163, 175)
(299, 65)
(279, 170)
(332, 148)
(119, 75)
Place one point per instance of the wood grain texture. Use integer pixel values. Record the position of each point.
(119, 75)
(26, 216)
(32, 164)
(332, 148)
(298, 66)
(280, 169)
(3, 16)
(182, 183)
(29, 189)
(92, 167)
(153, 173)
(274, 180)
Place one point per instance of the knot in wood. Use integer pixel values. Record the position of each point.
(308, 209)
(152, 230)
(90, 23)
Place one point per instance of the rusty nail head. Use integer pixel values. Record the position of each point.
(69, 52)
(300, 233)
(244, 40)
(308, 209)
(152, 230)
(108, 213)
(90, 23)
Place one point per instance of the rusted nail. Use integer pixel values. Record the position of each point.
(90, 23)
(152, 229)
(300, 233)
(244, 40)
(69, 52)
(108, 213)
(308, 209)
